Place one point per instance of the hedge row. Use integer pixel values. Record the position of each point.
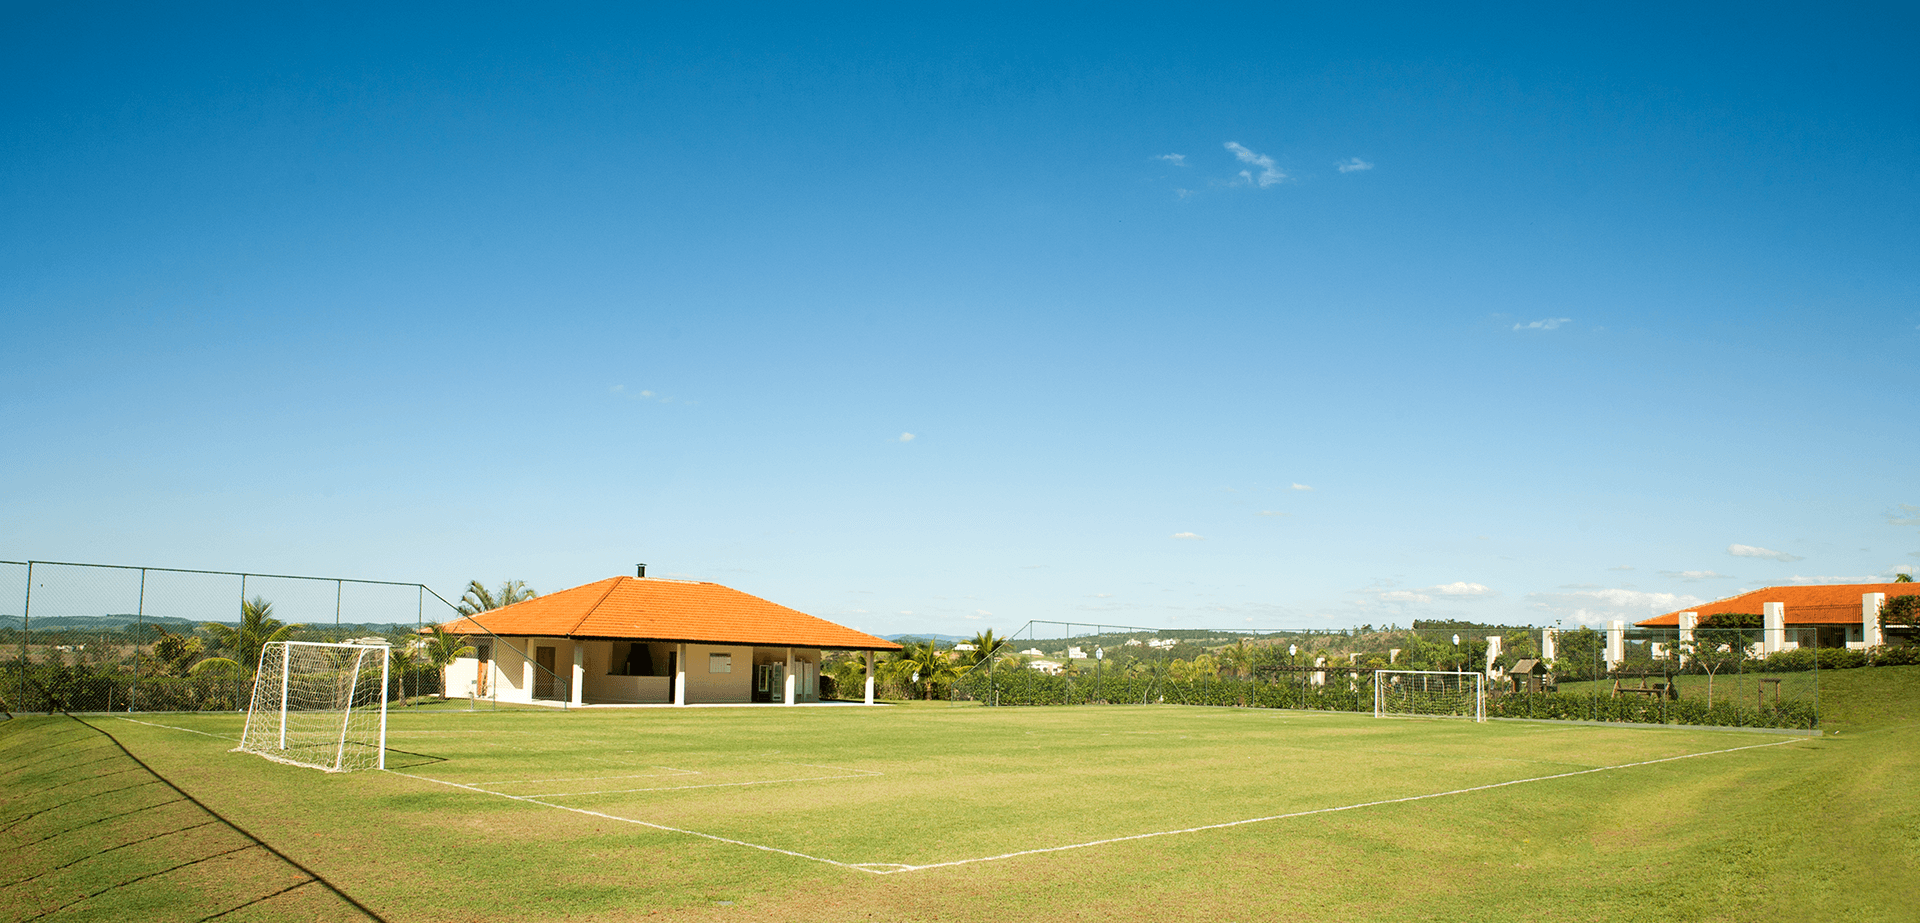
(1355, 693)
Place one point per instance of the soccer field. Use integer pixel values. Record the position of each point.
(931, 812)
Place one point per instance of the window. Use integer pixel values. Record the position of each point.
(719, 663)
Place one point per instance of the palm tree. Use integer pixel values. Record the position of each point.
(440, 648)
(478, 600)
(985, 648)
(1902, 578)
(256, 630)
(924, 660)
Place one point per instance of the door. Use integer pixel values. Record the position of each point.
(543, 677)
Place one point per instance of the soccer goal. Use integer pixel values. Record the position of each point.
(1429, 693)
(319, 705)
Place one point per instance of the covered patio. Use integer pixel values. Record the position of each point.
(650, 641)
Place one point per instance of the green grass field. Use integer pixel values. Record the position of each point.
(939, 813)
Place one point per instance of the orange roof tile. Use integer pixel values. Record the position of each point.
(666, 610)
(1834, 604)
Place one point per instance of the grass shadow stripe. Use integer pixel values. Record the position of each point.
(55, 836)
(362, 908)
(69, 803)
(140, 878)
(102, 852)
(682, 788)
(259, 900)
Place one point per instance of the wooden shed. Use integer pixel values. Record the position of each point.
(1528, 675)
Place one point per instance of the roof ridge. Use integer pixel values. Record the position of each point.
(612, 585)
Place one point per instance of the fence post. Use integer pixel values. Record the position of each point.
(26, 626)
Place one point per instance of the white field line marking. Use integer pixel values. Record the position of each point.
(854, 774)
(628, 820)
(670, 771)
(894, 868)
(173, 728)
(1350, 807)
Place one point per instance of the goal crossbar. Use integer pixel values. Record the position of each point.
(319, 704)
(1429, 693)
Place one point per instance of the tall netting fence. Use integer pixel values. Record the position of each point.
(98, 638)
(1727, 672)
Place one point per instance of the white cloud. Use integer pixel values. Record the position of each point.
(1906, 515)
(1190, 536)
(1405, 596)
(1693, 575)
(981, 612)
(1269, 173)
(1622, 567)
(906, 612)
(1545, 323)
(1178, 160)
(906, 437)
(1353, 163)
(1463, 588)
(1272, 513)
(1301, 487)
(1825, 579)
(1591, 607)
(1755, 551)
(1103, 596)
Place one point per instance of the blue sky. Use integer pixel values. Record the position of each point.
(1223, 316)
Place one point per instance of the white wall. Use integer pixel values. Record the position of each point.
(705, 687)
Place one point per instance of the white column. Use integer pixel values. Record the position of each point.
(1773, 632)
(1320, 676)
(1616, 643)
(680, 674)
(526, 670)
(1493, 654)
(1870, 604)
(579, 670)
(1688, 621)
(789, 684)
(1549, 643)
(1393, 656)
(869, 677)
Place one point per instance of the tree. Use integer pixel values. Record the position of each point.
(172, 654)
(1722, 641)
(985, 648)
(256, 630)
(1900, 610)
(924, 660)
(439, 648)
(1902, 578)
(478, 599)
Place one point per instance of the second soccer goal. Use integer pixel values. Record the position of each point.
(319, 705)
(1429, 694)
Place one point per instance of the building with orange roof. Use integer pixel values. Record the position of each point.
(1834, 615)
(650, 641)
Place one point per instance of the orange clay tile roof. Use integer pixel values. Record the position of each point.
(1806, 605)
(666, 610)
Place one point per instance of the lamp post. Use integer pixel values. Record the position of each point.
(1099, 658)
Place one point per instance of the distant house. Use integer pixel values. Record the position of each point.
(650, 641)
(1837, 615)
(1049, 667)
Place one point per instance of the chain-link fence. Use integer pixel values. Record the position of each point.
(92, 638)
(1727, 671)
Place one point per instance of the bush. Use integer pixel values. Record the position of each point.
(1890, 656)
(1795, 661)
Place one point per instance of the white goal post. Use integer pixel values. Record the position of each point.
(319, 705)
(1429, 693)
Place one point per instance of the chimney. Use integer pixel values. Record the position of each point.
(640, 570)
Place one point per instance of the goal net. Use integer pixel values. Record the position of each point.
(319, 705)
(1427, 693)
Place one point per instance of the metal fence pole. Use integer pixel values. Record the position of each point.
(139, 631)
(26, 625)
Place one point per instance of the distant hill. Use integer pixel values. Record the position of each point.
(174, 624)
(919, 637)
